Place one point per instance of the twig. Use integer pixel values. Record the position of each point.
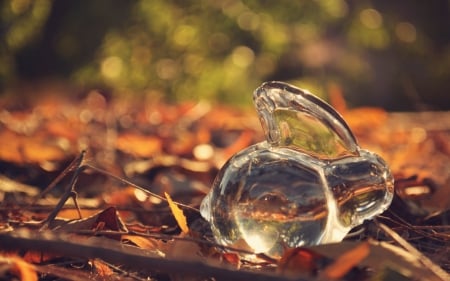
(75, 164)
(124, 272)
(70, 190)
(171, 237)
(420, 230)
(78, 166)
(439, 272)
(131, 257)
(125, 181)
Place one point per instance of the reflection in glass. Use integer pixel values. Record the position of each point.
(308, 183)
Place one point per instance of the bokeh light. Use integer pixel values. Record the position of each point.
(406, 32)
(222, 50)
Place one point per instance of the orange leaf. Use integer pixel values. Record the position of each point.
(347, 261)
(178, 214)
(108, 219)
(232, 258)
(102, 268)
(38, 151)
(141, 242)
(139, 145)
(38, 257)
(337, 98)
(24, 270)
(243, 141)
(300, 261)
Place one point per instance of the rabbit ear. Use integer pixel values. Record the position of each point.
(297, 119)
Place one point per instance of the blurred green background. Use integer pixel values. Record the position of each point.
(393, 54)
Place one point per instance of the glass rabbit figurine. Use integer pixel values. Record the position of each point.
(308, 183)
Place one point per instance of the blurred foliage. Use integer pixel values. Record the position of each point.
(394, 54)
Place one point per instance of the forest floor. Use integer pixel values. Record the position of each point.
(120, 232)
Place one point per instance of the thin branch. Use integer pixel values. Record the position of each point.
(410, 248)
(75, 164)
(70, 191)
(131, 257)
(125, 181)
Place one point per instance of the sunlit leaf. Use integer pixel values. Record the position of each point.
(178, 214)
(22, 269)
(347, 261)
(101, 268)
(301, 261)
(139, 145)
(107, 219)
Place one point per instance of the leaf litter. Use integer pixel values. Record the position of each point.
(128, 208)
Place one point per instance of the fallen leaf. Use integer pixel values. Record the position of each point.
(22, 149)
(65, 273)
(61, 128)
(342, 265)
(186, 250)
(337, 98)
(182, 143)
(139, 145)
(141, 242)
(107, 219)
(20, 268)
(301, 261)
(36, 151)
(373, 118)
(382, 255)
(38, 257)
(244, 140)
(232, 258)
(102, 268)
(10, 185)
(178, 214)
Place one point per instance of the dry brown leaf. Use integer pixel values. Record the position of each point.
(102, 268)
(382, 255)
(181, 143)
(139, 145)
(342, 265)
(232, 258)
(178, 214)
(22, 149)
(38, 257)
(61, 128)
(10, 185)
(337, 98)
(244, 140)
(9, 147)
(65, 273)
(141, 242)
(20, 268)
(40, 151)
(184, 249)
(365, 119)
(300, 261)
(121, 197)
(107, 219)
(72, 213)
(157, 247)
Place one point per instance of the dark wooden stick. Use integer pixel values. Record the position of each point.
(128, 256)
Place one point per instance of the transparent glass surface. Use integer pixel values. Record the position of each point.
(308, 183)
(296, 119)
(362, 187)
